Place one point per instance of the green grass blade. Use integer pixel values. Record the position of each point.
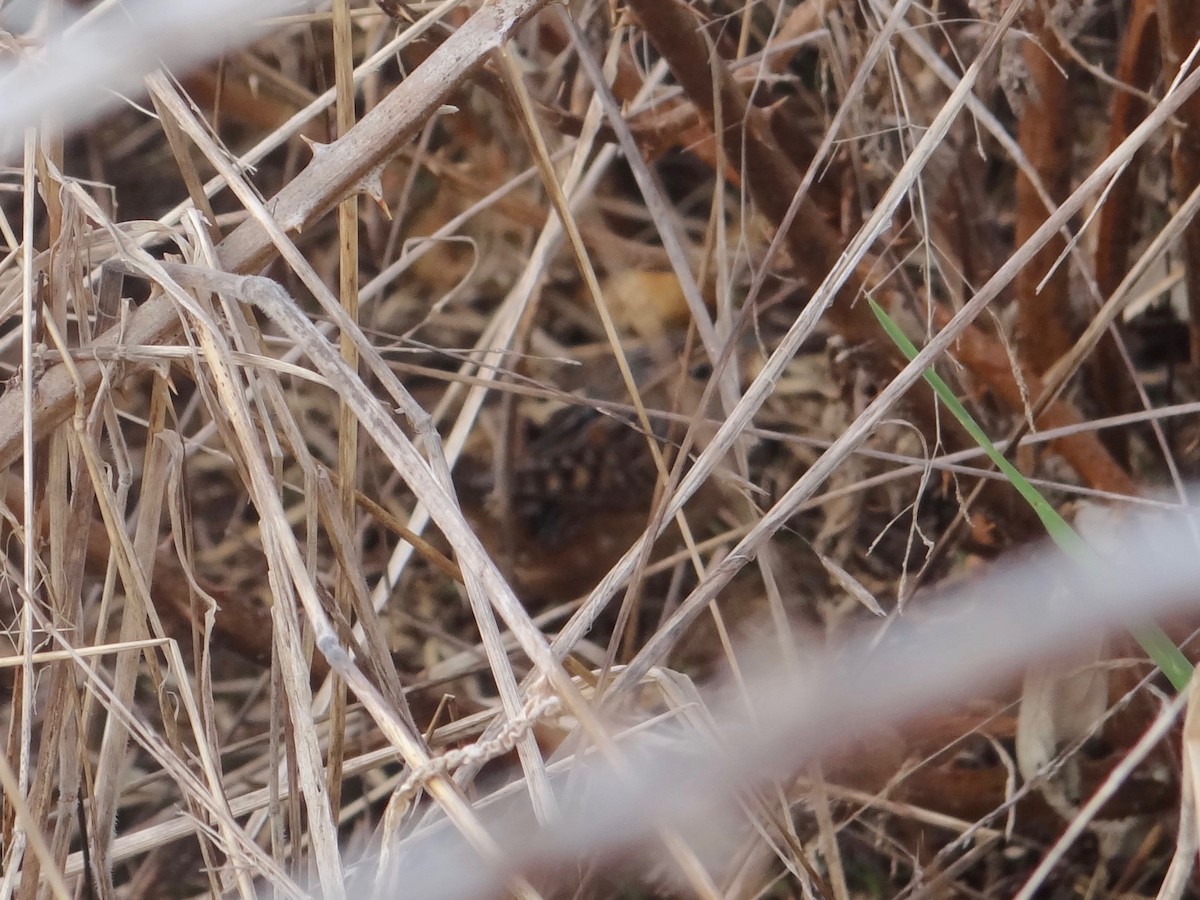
(1152, 639)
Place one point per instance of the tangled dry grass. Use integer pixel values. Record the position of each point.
(448, 448)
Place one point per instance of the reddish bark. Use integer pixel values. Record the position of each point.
(1137, 66)
(1179, 30)
(1083, 451)
(1044, 132)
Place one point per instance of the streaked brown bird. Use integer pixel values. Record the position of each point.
(576, 494)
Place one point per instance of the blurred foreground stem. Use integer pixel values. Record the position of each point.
(1160, 648)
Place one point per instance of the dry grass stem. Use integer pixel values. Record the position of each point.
(357, 357)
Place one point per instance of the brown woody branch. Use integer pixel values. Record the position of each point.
(1138, 66)
(1179, 30)
(1044, 132)
(814, 244)
(328, 179)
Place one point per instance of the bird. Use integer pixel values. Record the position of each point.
(577, 491)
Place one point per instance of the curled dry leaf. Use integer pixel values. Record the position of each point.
(851, 585)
